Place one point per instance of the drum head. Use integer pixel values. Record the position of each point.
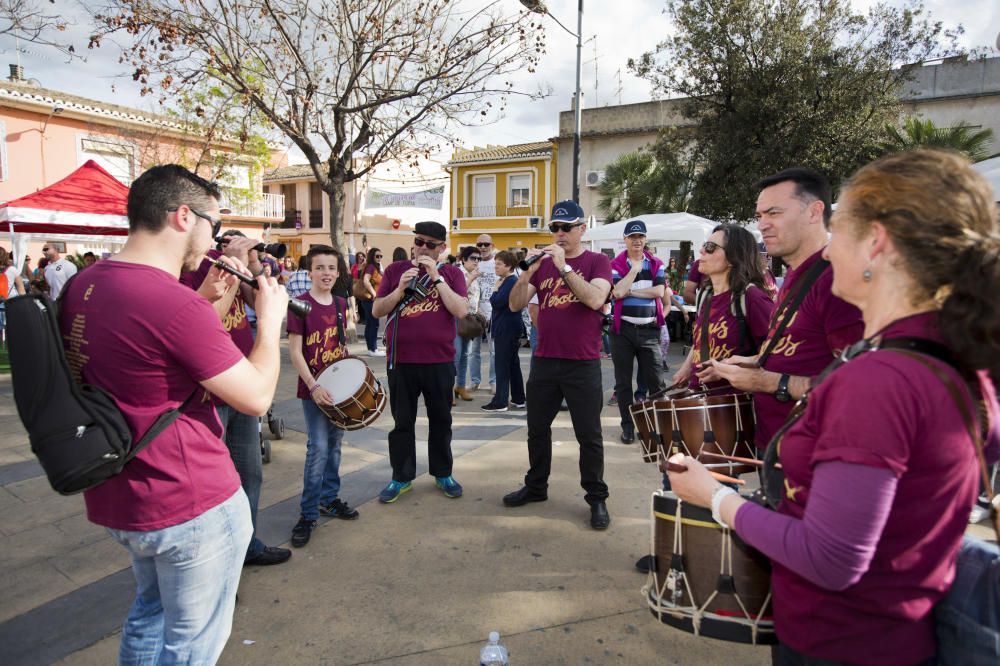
(343, 378)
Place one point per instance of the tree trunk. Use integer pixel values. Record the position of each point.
(335, 190)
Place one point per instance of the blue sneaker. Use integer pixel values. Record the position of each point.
(449, 485)
(392, 491)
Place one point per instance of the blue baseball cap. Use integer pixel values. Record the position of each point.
(635, 227)
(567, 211)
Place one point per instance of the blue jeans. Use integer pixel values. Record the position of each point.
(241, 434)
(371, 325)
(475, 361)
(186, 579)
(461, 359)
(321, 477)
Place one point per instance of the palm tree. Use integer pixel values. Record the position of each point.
(629, 187)
(924, 133)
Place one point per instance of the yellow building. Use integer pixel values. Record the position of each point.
(504, 191)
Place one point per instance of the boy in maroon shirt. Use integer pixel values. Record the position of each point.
(315, 342)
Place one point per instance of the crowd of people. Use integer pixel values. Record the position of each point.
(879, 468)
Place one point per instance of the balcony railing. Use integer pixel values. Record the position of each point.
(502, 211)
(315, 219)
(256, 204)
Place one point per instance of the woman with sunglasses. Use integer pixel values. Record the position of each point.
(880, 466)
(371, 277)
(734, 306)
(469, 259)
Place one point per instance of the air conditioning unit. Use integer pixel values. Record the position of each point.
(595, 178)
(534, 222)
(454, 224)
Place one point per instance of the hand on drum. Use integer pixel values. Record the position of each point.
(695, 485)
(741, 377)
(321, 396)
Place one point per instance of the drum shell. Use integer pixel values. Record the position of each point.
(724, 415)
(702, 550)
(360, 409)
(644, 418)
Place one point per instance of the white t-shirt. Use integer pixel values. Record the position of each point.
(57, 274)
(487, 283)
(11, 274)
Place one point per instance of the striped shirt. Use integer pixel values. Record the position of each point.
(641, 311)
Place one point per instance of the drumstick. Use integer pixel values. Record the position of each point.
(301, 308)
(722, 478)
(737, 459)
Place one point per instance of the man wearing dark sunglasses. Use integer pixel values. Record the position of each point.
(423, 298)
(487, 283)
(58, 271)
(154, 344)
(572, 286)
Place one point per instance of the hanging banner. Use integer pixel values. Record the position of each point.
(432, 199)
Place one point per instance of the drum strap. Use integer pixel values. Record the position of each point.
(786, 310)
(706, 312)
(341, 322)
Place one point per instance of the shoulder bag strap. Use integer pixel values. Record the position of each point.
(970, 424)
(787, 309)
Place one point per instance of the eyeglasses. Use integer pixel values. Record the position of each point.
(475, 258)
(566, 227)
(710, 247)
(216, 222)
(431, 245)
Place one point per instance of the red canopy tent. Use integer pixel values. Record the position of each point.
(89, 201)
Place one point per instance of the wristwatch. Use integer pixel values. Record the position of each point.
(438, 280)
(566, 269)
(782, 394)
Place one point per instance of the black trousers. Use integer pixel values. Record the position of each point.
(579, 382)
(782, 655)
(407, 381)
(635, 344)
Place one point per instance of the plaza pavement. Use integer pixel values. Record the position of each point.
(421, 581)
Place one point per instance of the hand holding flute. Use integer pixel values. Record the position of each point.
(300, 308)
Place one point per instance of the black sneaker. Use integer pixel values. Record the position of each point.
(490, 407)
(302, 531)
(338, 508)
(270, 555)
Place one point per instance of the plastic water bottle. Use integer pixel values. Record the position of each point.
(493, 653)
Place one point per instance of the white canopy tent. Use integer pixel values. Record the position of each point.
(664, 233)
(990, 169)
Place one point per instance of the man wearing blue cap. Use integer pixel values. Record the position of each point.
(639, 279)
(572, 285)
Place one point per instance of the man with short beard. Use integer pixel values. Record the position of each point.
(155, 345)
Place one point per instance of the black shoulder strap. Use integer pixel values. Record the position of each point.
(706, 311)
(739, 311)
(789, 306)
(340, 323)
(161, 423)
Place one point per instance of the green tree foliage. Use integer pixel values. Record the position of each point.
(916, 133)
(775, 83)
(655, 180)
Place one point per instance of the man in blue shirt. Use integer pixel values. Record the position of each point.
(639, 280)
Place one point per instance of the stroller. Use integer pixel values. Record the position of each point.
(277, 427)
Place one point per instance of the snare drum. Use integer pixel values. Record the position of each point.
(706, 580)
(696, 423)
(358, 396)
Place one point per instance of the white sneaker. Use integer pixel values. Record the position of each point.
(377, 352)
(978, 514)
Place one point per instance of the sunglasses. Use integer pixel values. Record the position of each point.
(378, 256)
(483, 244)
(710, 247)
(45, 249)
(475, 258)
(566, 227)
(216, 222)
(431, 245)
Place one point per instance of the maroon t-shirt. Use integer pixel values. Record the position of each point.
(724, 329)
(566, 327)
(887, 410)
(320, 331)
(148, 340)
(426, 330)
(822, 327)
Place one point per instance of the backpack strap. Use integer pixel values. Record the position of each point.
(161, 423)
(789, 306)
(739, 307)
(341, 317)
(705, 306)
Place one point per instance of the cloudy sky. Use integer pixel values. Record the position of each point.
(616, 30)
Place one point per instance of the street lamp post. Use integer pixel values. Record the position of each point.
(538, 7)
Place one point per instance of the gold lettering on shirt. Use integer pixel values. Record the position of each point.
(76, 341)
(234, 319)
(560, 295)
(432, 303)
(717, 350)
(90, 290)
(792, 491)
